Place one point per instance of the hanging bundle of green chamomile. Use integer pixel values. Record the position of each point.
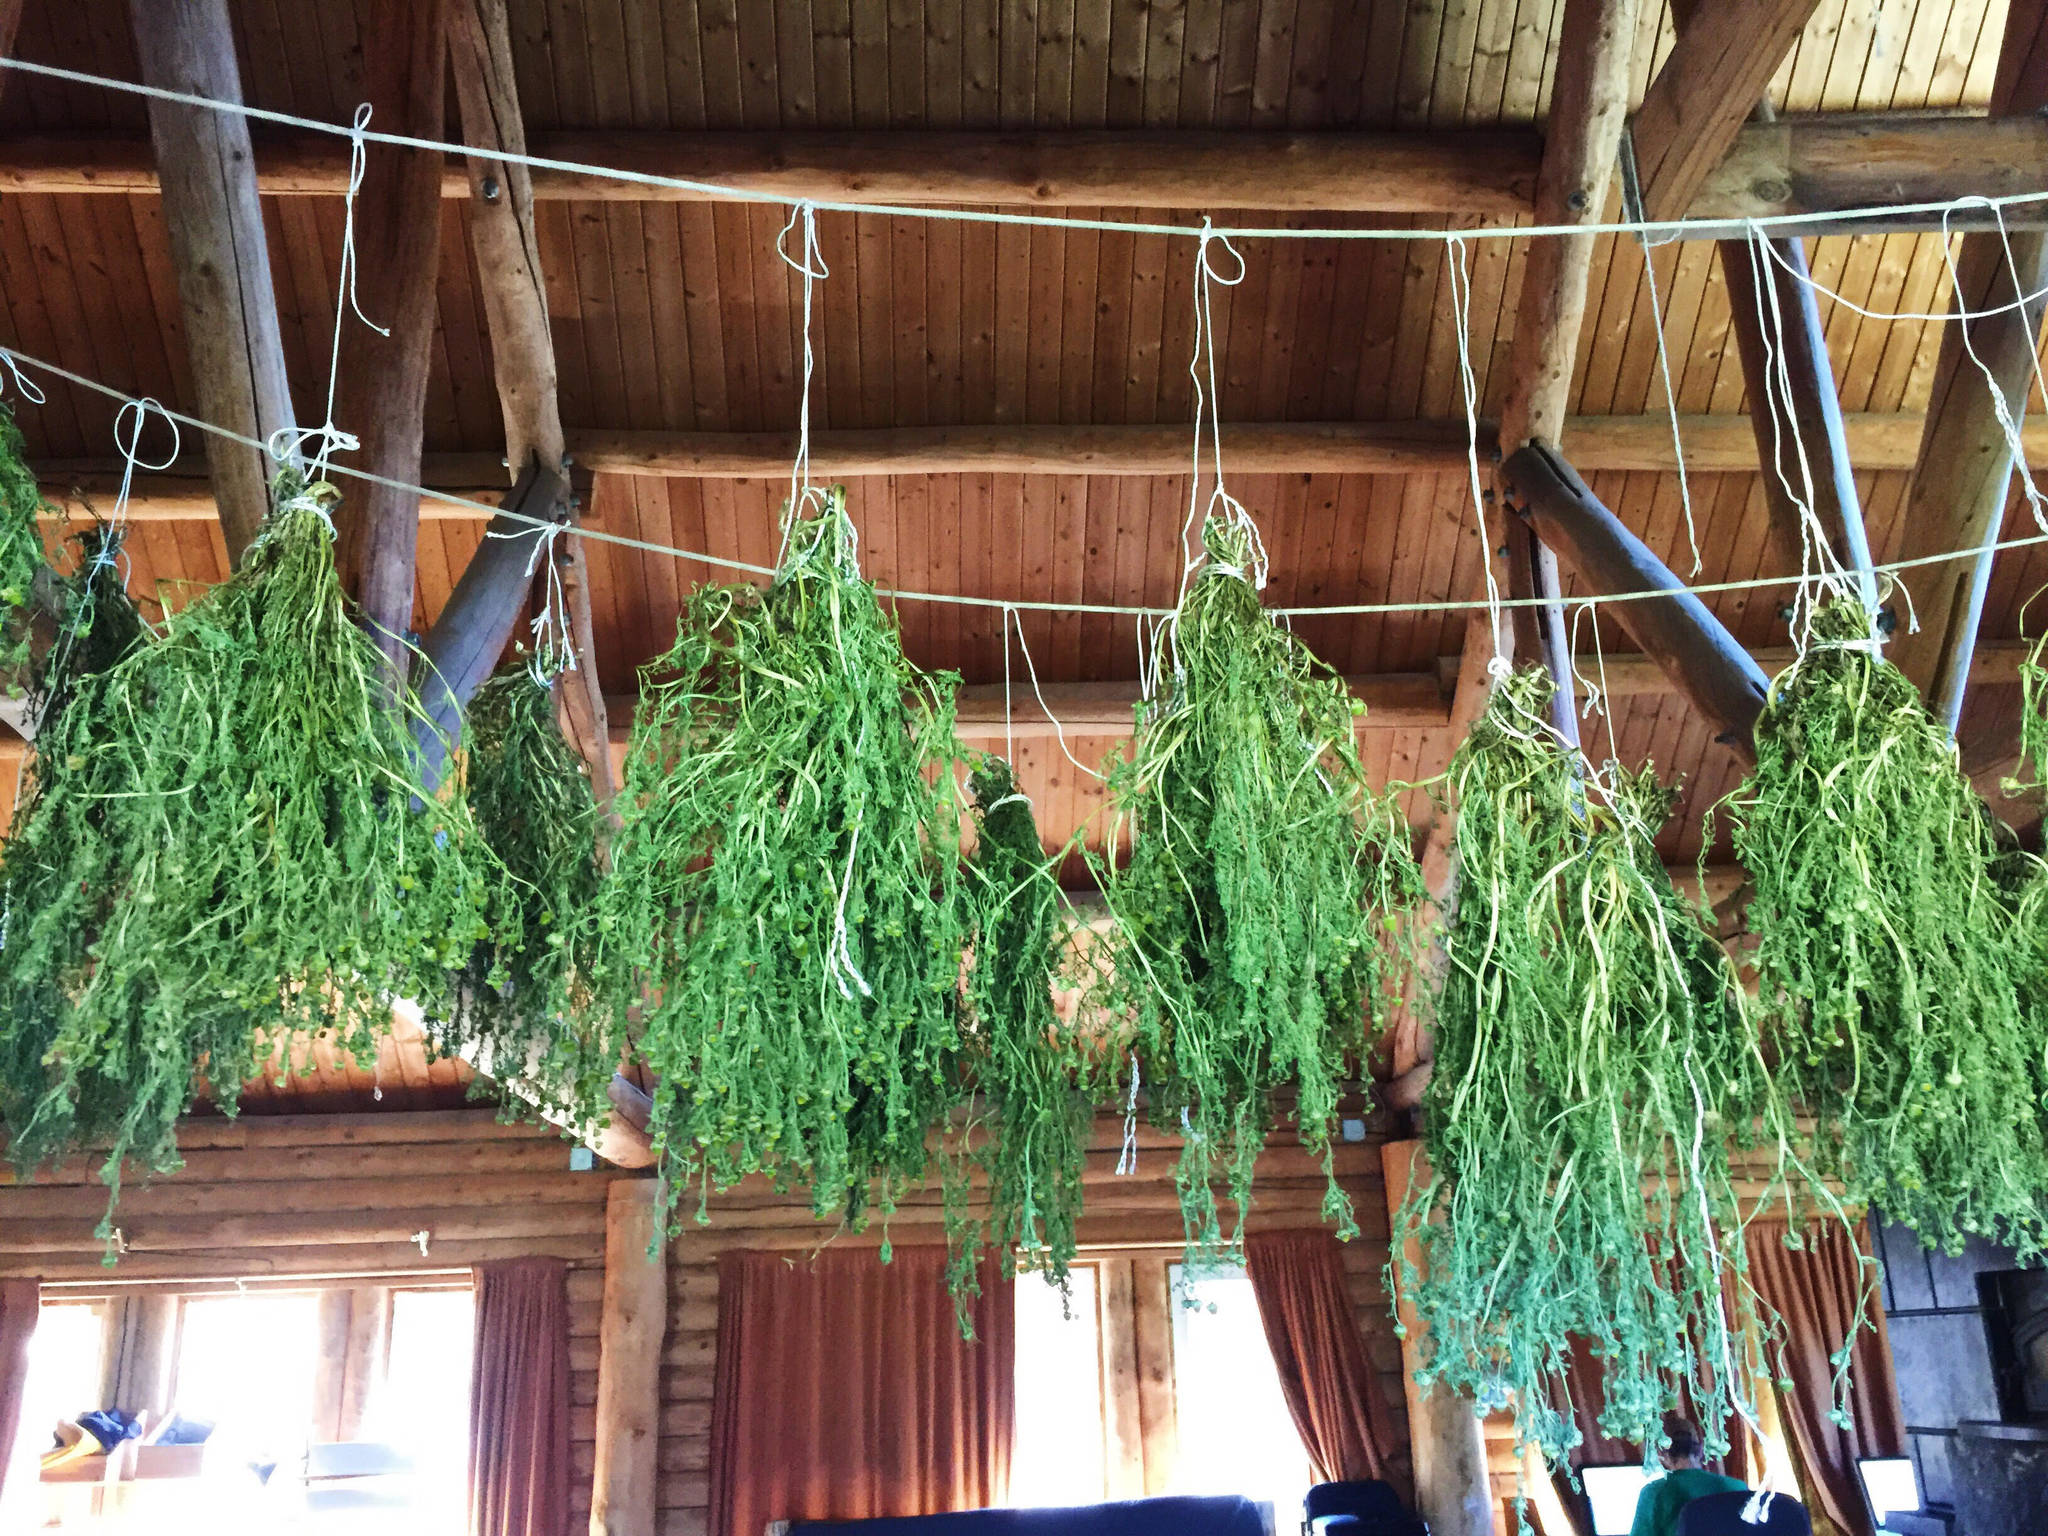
(1592, 1067)
(784, 897)
(1886, 948)
(530, 1010)
(1266, 881)
(227, 842)
(21, 545)
(99, 626)
(1037, 1077)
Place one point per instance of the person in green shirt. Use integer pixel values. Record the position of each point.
(1684, 1480)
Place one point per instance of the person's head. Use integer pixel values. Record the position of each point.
(1685, 1447)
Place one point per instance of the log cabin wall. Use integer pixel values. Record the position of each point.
(1137, 1210)
(332, 1195)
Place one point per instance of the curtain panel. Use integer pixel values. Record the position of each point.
(1819, 1290)
(1312, 1330)
(844, 1390)
(519, 1400)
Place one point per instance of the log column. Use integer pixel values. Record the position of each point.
(1452, 1487)
(217, 244)
(382, 395)
(624, 1489)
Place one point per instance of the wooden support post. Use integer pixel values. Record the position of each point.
(382, 394)
(142, 1329)
(216, 232)
(1452, 1489)
(351, 1324)
(522, 346)
(625, 1484)
(1793, 403)
(1772, 310)
(1964, 472)
(1702, 658)
(1588, 104)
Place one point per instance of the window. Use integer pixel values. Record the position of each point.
(66, 1363)
(246, 1363)
(1153, 1381)
(1236, 1435)
(1060, 1458)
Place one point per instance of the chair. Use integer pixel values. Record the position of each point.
(1363, 1508)
(1720, 1514)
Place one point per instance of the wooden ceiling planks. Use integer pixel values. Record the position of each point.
(682, 315)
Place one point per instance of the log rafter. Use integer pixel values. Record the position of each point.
(1713, 444)
(1814, 168)
(208, 177)
(1963, 473)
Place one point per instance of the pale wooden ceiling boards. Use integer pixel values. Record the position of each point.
(680, 315)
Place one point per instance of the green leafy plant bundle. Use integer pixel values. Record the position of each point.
(531, 1010)
(1038, 1078)
(1592, 1068)
(226, 842)
(1887, 949)
(21, 542)
(783, 907)
(1266, 886)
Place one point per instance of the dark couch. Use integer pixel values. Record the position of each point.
(1230, 1516)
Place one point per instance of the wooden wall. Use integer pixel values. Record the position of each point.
(1139, 1210)
(285, 1195)
(339, 1194)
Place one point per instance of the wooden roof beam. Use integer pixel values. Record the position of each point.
(1588, 107)
(1776, 320)
(522, 346)
(1816, 166)
(1963, 473)
(217, 245)
(1695, 108)
(1394, 701)
(1694, 648)
(382, 384)
(1713, 444)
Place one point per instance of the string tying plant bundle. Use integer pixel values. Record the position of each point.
(1887, 952)
(1038, 1077)
(784, 885)
(226, 842)
(21, 544)
(530, 1009)
(1592, 1067)
(1266, 880)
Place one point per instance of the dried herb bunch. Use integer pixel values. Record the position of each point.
(226, 842)
(784, 900)
(21, 542)
(1038, 1078)
(531, 1010)
(1592, 1068)
(1887, 950)
(1256, 919)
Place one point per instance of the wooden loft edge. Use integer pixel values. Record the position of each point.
(1713, 444)
(1811, 167)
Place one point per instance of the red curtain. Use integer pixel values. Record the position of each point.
(1312, 1330)
(844, 1390)
(20, 1302)
(1818, 1290)
(519, 1400)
